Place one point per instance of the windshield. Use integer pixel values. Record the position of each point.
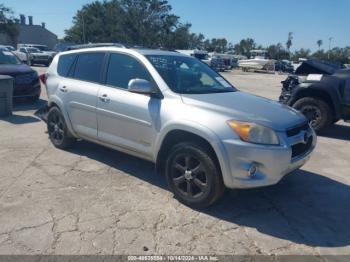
(33, 50)
(41, 47)
(7, 58)
(187, 75)
(10, 48)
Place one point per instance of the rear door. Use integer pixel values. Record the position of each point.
(126, 119)
(80, 91)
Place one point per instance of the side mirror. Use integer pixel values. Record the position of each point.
(140, 86)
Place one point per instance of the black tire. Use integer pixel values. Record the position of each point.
(57, 129)
(193, 175)
(316, 111)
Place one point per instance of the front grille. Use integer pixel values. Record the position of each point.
(300, 149)
(296, 130)
(24, 79)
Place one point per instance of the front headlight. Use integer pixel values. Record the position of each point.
(254, 133)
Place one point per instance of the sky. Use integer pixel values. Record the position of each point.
(267, 21)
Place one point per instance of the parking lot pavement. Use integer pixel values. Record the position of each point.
(93, 200)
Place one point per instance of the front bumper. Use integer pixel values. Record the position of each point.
(272, 162)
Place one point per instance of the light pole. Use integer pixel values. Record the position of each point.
(329, 48)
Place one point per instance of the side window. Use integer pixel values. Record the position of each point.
(65, 63)
(23, 50)
(89, 66)
(122, 68)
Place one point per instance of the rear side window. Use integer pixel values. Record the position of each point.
(65, 63)
(89, 66)
(123, 68)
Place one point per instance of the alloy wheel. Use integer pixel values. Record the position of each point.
(189, 176)
(313, 114)
(56, 128)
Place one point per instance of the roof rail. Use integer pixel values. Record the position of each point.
(91, 45)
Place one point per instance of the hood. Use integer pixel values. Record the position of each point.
(13, 70)
(245, 107)
(312, 66)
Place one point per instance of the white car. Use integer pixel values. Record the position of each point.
(22, 56)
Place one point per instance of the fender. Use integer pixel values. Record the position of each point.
(55, 100)
(318, 89)
(205, 133)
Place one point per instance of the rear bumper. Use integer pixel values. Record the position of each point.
(272, 162)
(29, 90)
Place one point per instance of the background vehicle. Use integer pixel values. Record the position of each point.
(320, 90)
(22, 56)
(36, 56)
(284, 66)
(259, 61)
(43, 48)
(218, 64)
(175, 111)
(26, 80)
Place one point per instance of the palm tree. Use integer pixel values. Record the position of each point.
(289, 42)
(319, 43)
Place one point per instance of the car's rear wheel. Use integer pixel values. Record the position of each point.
(316, 111)
(193, 175)
(57, 129)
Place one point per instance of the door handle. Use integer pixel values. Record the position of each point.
(63, 89)
(104, 98)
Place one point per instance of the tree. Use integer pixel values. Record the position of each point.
(277, 52)
(301, 53)
(289, 42)
(319, 43)
(147, 23)
(7, 23)
(245, 46)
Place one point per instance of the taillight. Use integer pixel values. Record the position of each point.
(43, 78)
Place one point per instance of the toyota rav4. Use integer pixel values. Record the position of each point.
(175, 111)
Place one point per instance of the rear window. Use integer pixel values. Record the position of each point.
(65, 63)
(89, 66)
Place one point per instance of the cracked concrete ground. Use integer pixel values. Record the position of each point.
(93, 200)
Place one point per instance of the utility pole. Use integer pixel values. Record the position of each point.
(329, 48)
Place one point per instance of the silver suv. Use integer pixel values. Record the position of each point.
(175, 111)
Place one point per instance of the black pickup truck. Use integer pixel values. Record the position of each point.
(320, 90)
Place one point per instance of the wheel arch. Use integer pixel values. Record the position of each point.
(186, 133)
(54, 101)
(319, 93)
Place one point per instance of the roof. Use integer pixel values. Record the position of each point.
(142, 51)
(157, 52)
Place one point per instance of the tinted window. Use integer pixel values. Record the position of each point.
(123, 68)
(89, 66)
(65, 63)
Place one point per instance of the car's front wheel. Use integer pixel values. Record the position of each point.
(316, 111)
(57, 129)
(193, 175)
